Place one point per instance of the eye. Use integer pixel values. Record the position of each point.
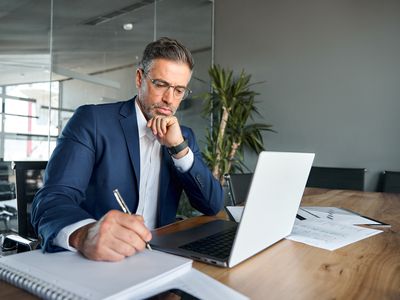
(180, 90)
(160, 84)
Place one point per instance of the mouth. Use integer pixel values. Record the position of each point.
(162, 110)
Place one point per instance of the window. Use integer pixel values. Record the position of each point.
(25, 130)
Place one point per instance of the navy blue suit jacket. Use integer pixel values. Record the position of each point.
(97, 152)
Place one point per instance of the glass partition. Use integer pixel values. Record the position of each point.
(58, 55)
(191, 23)
(95, 53)
(25, 88)
(26, 92)
(92, 48)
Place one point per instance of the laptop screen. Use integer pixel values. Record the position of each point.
(240, 184)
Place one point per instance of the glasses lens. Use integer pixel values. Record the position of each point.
(161, 86)
(179, 92)
(186, 92)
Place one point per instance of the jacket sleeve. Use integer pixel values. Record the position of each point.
(67, 175)
(205, 193)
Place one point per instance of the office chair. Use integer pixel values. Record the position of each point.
(29, 179)
(238, 186)
(391, 182)
(337, 178)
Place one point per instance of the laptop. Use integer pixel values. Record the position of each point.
(238, 185)
(272, 202)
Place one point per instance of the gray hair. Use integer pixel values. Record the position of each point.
(165, 48)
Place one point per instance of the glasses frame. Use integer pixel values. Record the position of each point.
(165, 86)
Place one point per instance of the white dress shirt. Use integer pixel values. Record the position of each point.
(150, 161)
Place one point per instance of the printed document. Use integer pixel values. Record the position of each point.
(324, 227)
(337, 214)
(328, 234)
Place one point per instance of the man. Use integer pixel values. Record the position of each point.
(136, 146)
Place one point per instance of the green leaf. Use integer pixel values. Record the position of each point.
(236, 95)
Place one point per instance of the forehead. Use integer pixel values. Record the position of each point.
(175, 72)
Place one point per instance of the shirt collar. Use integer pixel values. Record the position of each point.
(142, 123)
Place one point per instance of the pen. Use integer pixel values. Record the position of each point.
(125, 208)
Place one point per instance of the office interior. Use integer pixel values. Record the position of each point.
(328, 71)
(58, 55)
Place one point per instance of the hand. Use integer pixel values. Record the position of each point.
(115, 236)
(167, 131)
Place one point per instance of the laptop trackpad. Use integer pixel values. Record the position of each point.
(179, 238)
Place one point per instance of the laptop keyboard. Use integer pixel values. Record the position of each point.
(217, 245)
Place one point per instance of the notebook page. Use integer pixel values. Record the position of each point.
(96, 280)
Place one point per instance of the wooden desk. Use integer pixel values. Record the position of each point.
(368, 269)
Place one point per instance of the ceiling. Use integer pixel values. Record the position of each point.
(87, 37)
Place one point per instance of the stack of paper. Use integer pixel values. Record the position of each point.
(324, 227)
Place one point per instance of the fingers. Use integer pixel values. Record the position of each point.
(114, 237)
(166, 129)
(160, 124)
(128, 243)
(132, 224)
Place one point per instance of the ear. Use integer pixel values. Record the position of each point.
(139, 78)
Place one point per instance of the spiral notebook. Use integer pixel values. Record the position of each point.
(68, 275)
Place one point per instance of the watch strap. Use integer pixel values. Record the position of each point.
(178, 148)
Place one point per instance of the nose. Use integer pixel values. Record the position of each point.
(168, 95)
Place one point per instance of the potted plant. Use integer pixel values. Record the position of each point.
(232, 105)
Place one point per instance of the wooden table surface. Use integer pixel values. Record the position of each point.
(368, 269)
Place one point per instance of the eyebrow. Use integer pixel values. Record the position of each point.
(164, 81)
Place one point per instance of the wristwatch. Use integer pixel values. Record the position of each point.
(176, 149)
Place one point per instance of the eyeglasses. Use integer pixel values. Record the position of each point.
(161, 87)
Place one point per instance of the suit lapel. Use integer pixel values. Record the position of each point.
(130, 129)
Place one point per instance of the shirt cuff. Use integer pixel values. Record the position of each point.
(62, 238)
(184, 163)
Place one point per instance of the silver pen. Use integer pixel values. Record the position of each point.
(125, 208)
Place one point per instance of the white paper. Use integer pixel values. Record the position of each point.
(145, 273)
(97, 279)
(335, 214)
(328, 234)
(194, 283)
(320, 212)
(324, 227)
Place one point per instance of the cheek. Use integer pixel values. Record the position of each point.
(176, 103)
(147, 99)
(144, 95)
